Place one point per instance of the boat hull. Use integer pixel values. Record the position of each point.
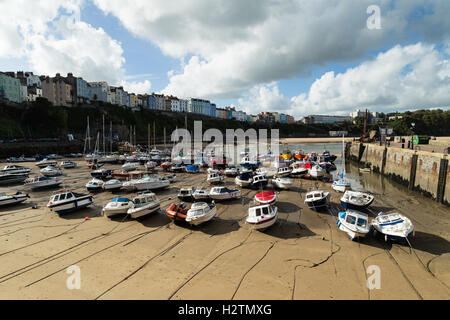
(140, 212)
(348, 205)
(71, 206)
(318, 204)
(13, 200)
(262, 225)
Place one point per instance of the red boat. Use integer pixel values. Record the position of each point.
(166, 165)
(120, 175)
(177, 212)
(266, 197)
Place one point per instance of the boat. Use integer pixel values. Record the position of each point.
(245, 179)
(192, 169)
(262, 216)
(393, 226)
(95, 185)
(214, 178)
(42, 182)
(54, 156)
(65, 201)
(342, 184)
(365, 170)
(51, 171)
(166, 165)
(298, 169)
(177, 212)
(22, 158)
(46, 162)
(67, 164)
(112, 185)
(186, 194)
(177, 168)
(266, 197)
(231, 171)
(259, 181)
(101, 173)
(146, 183)
(356, 200)
(150, 165)
(354, 223)
(316, 171)
(144, 203)
(130, 166)
(7, 178)
(110, 158)
(170, 177)
(120, 174)
(247, 163)
(15, 169)
(223, 193)
(317, 199)
(201, 212)
(8, 200)
(283, 171)
(267, 171)
(116, 206)
(282, 183)
(201, 194)
(328, 157)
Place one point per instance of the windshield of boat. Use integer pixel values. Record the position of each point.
(196, 212)
(350, 219)
(362, 223)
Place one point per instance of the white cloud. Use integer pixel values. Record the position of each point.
(137, 87)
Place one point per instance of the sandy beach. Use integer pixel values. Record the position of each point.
(314, 140)
(302, 256)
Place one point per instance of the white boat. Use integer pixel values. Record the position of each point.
(298, 170)
(316, 171)
(317, 199)
(201, 212)
(354, 223)
(231, 171)
(95, 185)
(144, 203)
(201, 194)
(51, 171)
(215, 178)
(284, 171)
(282, 183)
(342, 184)
(186, 194)
(244, 179)
(259, 181)
(118, 205)
(67, 164)
(223, 193)
(42, 182)
(46, 162)
(262, 216)
(356, 200)
(54, 156)
(146, 183)
(66, 201)
(130, 166)
(112, 185)
(267, 171)
(170, 177)
(393, 226)
(7, 200)
(15, 169)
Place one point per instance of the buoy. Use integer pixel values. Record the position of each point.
(87, 218)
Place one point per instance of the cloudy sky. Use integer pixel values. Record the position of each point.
(295, 56)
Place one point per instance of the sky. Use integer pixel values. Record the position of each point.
(299, 57)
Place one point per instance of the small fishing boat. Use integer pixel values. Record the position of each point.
(201, 194)
(120, 174)
(262, 216)
(42, 182)
(247, 163)
(146, 183)
(68, 164)
(51, 171)
(101, 173)
(65, 201)
(112, 185)
(150, 165)
(267, 171)
(354, 223)
(298, 169)
(317, 199)
(282, 183)
(231, 171)
(95, 185)
(328, 157)
(215, 178)
(116, 206)
(130, 166)
(259, 181)
(15, 169)
(22, 158)
(177, 212)
(178, 168)
(393, 226)
(192, 169)
(284, 172)
(245, 179)
(8, 200)
(223, 193)
(356, 200)
(186, 194)
(201, 212)
(166, 165)
(9, 178)
(46, 162)
(266, 197)
(316, 171)
(144, 203)
(341, 185)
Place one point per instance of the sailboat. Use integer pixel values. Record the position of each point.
(342, 184)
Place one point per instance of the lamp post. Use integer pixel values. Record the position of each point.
(413, 124)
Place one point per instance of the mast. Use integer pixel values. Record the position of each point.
(343, 153)
(135, 135)
(164, 139)
(110, 137)
(87, 139)
(148, 136)
(104, 147)
(154, 135)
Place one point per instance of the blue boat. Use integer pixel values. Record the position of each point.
(192, 169)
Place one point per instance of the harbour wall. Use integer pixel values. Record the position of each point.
(424, 172)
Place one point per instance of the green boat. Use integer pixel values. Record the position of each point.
(9, 178)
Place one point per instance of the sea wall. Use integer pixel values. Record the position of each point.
(425, 172)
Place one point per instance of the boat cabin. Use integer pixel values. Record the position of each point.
(355, 218)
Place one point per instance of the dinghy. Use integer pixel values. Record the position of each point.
(65, 201)
(393, 226)
(201, 212)
(267, 197)
(262, 216)
(244, 179)
(42, 182)
(356, 200)
(9, 200)
(354, 223)
(177, 212)
(186, 194)
(223, 193)
(46, 162)
(192, 169)
(112, 185)
(317, 199)
(282, 183)
(116, 206)
(51, 171)
(95, 185)
(144, 203)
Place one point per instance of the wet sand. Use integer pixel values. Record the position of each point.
(302, 256)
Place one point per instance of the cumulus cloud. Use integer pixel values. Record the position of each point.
(137, 87)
